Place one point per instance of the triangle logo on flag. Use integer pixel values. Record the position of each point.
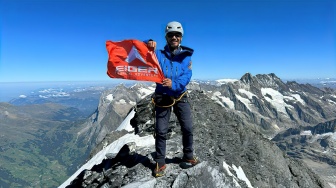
(134, 54)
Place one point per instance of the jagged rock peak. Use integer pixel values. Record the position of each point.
(246, 78)
(270, 76)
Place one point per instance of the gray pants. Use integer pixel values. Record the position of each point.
(183, 112)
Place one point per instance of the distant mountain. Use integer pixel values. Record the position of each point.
(232, 118)
(50, 134)
(113, 107)
(318, 82)
(270, 104)
(84, 97)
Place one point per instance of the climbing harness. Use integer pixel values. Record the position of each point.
(172, 99)
(163, 98)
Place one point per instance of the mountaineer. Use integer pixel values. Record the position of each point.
(171, 95)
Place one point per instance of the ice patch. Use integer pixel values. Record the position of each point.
(332, 135)
(126, 123)
(109, 97)
(330, 101)
(146, 91)
(249, 94)
(309, 133)
(121, 101)
(224, 81)
(241, 175)
(217, 96)
(298, 98)
(277, 99)
(245, 101)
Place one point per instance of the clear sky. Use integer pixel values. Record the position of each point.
(64, 40)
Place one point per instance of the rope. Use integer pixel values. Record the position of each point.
(174, 101)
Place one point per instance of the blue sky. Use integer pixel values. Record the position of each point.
(56, 40)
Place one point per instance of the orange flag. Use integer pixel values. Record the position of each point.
(132, 60)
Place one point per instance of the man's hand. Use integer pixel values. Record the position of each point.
(167, 83)
(151, 45)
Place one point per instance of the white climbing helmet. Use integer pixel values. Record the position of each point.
(174, 27)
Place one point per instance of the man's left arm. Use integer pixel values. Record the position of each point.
(183, 81)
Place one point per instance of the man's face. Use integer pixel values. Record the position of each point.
(174, 39)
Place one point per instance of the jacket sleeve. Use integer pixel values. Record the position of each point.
(184, 79)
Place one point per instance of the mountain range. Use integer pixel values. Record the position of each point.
(234, 123)
(237, 123)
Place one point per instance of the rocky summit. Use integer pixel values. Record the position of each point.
(244, 135)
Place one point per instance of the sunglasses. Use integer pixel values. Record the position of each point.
(171, 35)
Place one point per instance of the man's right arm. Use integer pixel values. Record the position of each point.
(151, 44)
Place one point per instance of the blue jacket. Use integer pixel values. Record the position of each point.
(177, 68)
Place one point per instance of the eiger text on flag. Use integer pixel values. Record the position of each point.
(132, 60)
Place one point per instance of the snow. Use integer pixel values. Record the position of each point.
(298, 98)
(249, 94)
(227, 168)
(330, 101)
(217, 95)
(332, 135)
(245, 101)
(132, 103)
(109, 97)
(275, 126)
(146, 91)
(239, 174)
(224, 81)
(126, 123)
(277, 99)
(113, 148)
(121, 101)
(306, 133)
